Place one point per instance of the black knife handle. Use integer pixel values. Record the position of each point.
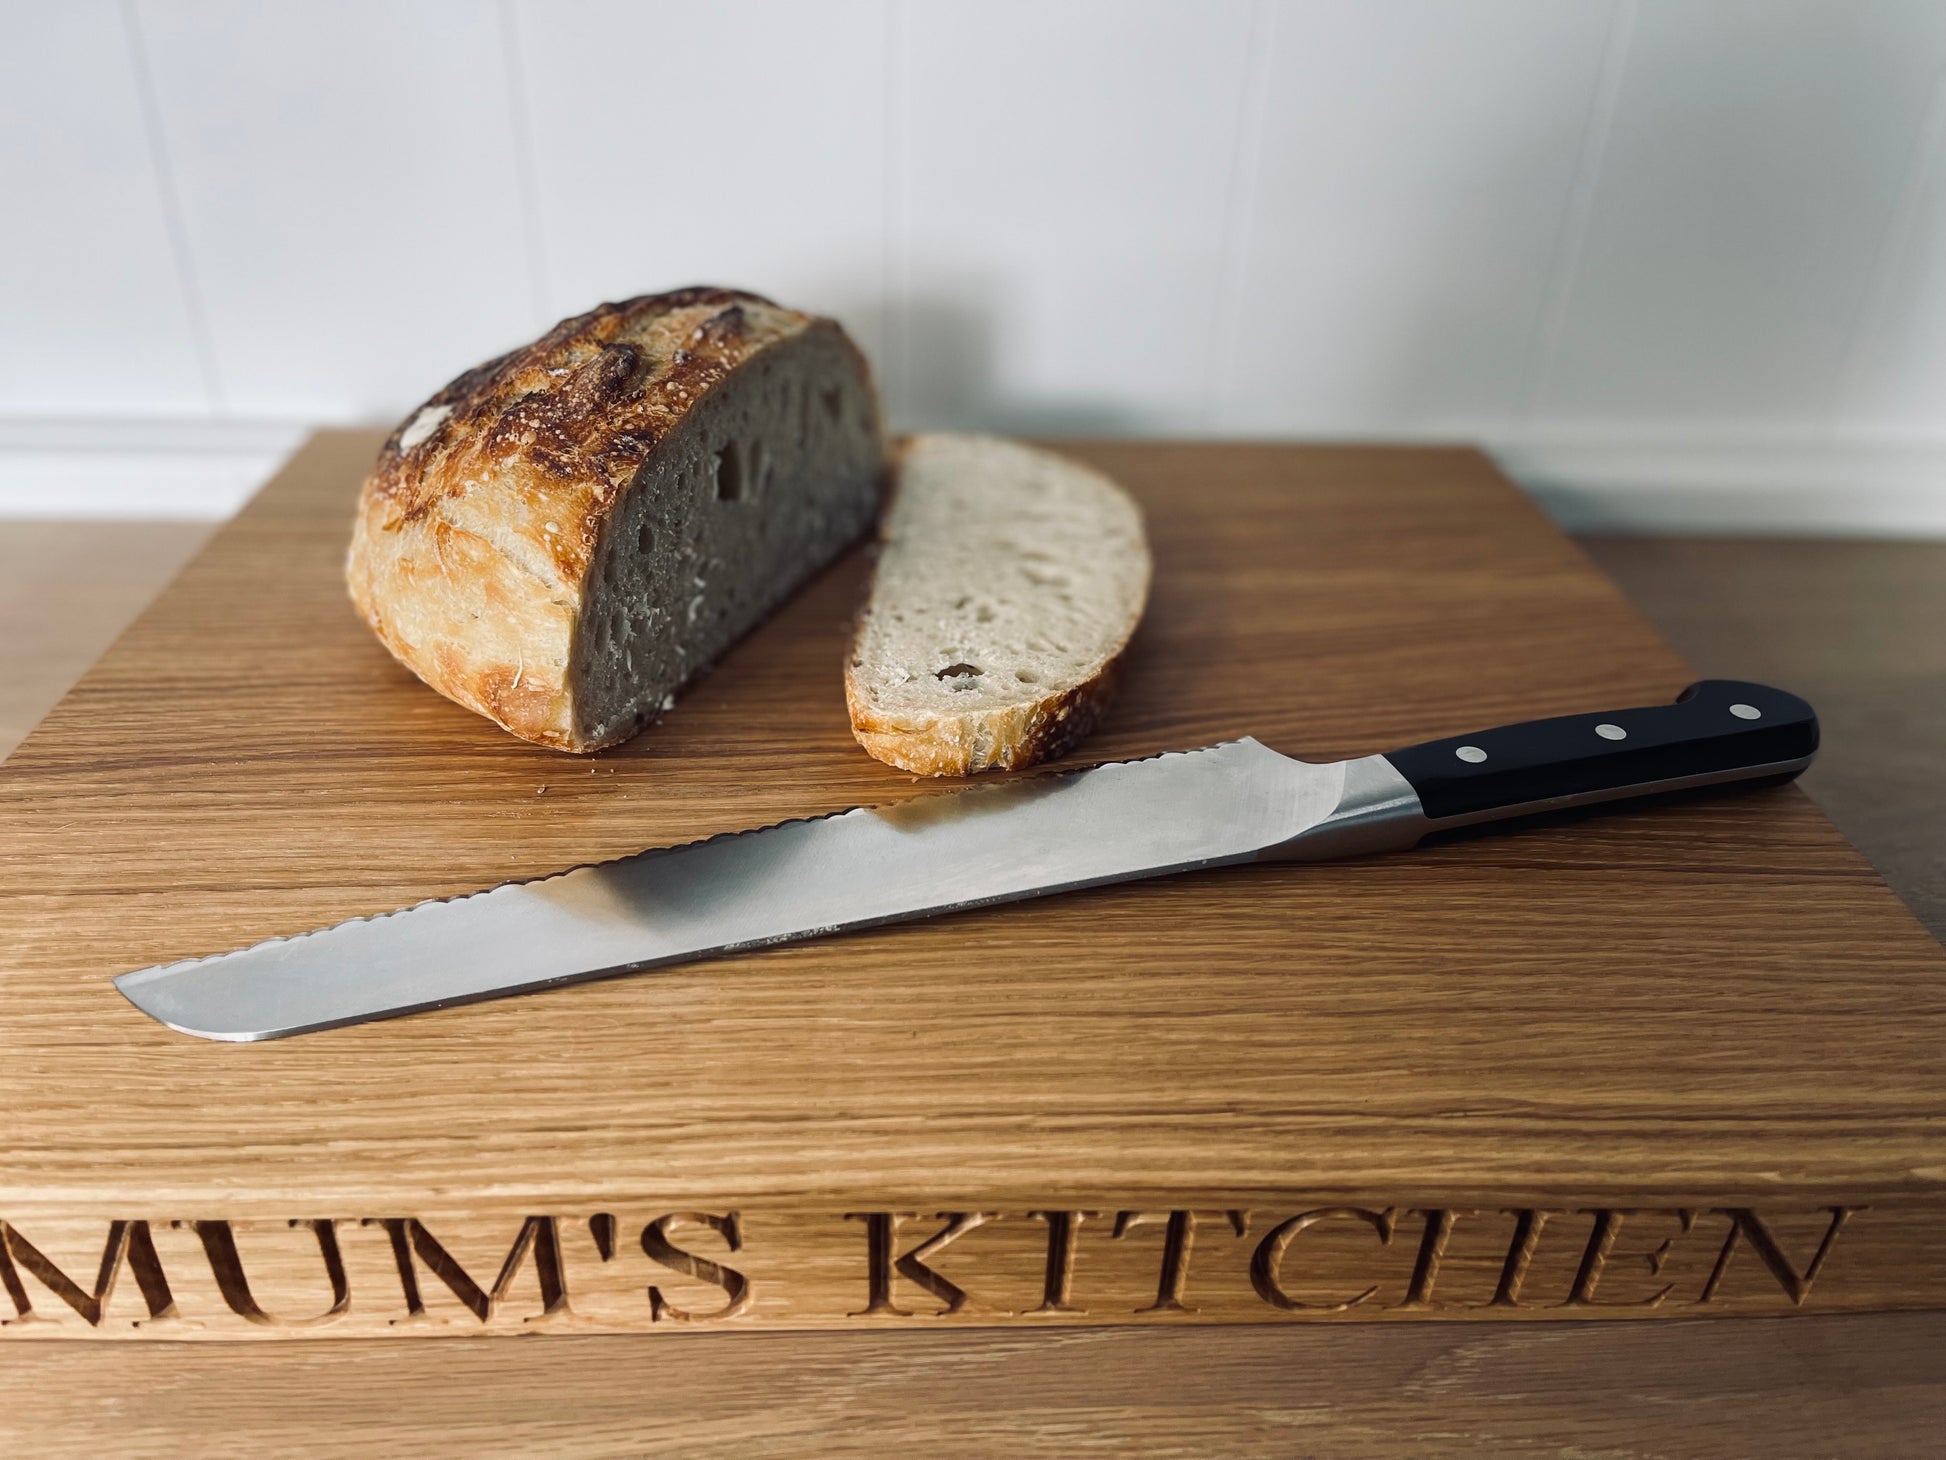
(1718, 730)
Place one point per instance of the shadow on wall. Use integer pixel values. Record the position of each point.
(951, 381)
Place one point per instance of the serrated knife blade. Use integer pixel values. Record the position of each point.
(1230, 803)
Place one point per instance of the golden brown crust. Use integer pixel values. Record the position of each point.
(1010, 737)
(477, 527)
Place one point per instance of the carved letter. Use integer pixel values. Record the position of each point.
(1266, 1267)
(1063, 1235)
(878, 1262)
(1178, 1238)
(880, 1230)
(1528, 1222)
(1432, 1247)
(395, 1228)
(541, 1234)
(219, 1245)
(601, 1227)
(735, 1286)
(1746, 1225)
(1601, 1246)
(130, 1240)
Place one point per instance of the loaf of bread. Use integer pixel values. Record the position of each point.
(563, 537)
(1009, 581)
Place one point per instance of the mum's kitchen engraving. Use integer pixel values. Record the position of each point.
(1179, 1239)
(881, 1234)
(540, 1236)
(1042, 1263)
(128, 1242)
(657, 1246)
(226, 1266)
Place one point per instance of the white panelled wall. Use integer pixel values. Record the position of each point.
(1680, 263)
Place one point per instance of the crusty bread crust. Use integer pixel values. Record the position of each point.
(1005, 738)
(476, 530)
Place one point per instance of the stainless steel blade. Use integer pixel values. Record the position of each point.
(1021, 838)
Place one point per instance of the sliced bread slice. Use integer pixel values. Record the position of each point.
(1009, 580)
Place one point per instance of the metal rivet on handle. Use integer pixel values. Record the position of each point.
(1611, 732)
(1471, 754)
(1745, 712)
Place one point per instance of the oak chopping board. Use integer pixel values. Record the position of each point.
(1667, 1062)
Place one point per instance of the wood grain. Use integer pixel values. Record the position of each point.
(1866, 1385)
(1852, 1385)
(66, 590)
(1709, 1005)
(1855, 627)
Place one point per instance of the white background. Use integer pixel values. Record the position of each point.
(1678, 262)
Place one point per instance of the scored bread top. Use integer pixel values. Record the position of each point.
(477, 529)
(568, 420)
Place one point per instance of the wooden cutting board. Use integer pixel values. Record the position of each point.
(1669, 1062)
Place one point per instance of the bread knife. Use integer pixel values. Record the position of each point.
(1026, 837)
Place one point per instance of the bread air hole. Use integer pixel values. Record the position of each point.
(834, 403)
(729, 473)
(959, 671)
(645, 539)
